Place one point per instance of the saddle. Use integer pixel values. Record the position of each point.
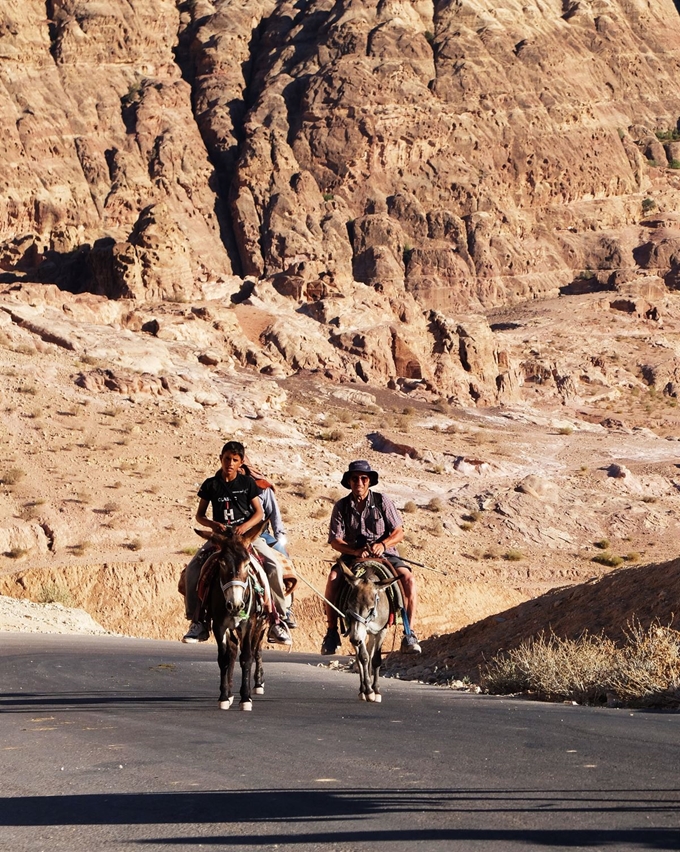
(385, 570)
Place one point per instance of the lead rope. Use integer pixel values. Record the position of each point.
(318, 594)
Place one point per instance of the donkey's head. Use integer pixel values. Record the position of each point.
(366, 607)
(233, 561)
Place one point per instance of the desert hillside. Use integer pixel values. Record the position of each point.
(441, 236)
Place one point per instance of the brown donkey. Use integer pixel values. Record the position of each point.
(367, 613)
(238, 612)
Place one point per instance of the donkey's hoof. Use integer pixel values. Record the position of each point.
(362, 697)
(370, 696)
(246, 705)
(225, 705)
(377, 698)
(259, 690)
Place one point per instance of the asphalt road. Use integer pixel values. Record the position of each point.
(118, 744)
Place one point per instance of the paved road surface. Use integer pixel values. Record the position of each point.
(117, 744)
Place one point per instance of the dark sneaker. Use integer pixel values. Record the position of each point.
(197, 632)
(331, 642)
(409, 644)
(290, 619)
(278, 634)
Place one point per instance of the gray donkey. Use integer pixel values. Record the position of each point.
(367, 612)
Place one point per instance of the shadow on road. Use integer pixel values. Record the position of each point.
(237, 806)
(22, 702)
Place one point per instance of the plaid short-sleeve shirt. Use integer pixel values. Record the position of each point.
(373, 524)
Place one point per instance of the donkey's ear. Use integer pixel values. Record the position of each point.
(349, 575)
(215, 537)
(253, 533)
(389, 581)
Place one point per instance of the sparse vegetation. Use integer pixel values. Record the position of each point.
(437, 527)
(648, 204)
(513, 555)
(135, 544)
(13, 476)
(16, 553)
(602, 544)
(410, 507)
(305, 489)
(565, 430)
(642, 671)
(672, 135)
(55, 593)
(436, 504)
(331, 435)
(608, 559)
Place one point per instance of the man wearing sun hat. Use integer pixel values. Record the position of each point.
(366, 524)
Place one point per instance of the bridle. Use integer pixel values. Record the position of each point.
(248, 596)
(372, 613)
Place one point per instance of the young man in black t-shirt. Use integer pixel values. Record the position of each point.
(235, 502)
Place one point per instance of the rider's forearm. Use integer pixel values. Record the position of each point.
(393, 538)
(205, 521)
(342, 547)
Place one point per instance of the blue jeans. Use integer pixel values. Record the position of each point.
(272, 542)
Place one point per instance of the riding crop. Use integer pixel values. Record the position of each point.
(420, 565)
(318, 593)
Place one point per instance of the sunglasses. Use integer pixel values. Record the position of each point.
(360, 479)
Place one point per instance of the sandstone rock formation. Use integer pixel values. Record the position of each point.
(383, 172)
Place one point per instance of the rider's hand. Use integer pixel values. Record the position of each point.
(377, 548)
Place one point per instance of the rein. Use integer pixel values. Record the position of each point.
(247, 586)
(373, 611)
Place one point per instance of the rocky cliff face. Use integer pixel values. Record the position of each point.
(382, 171)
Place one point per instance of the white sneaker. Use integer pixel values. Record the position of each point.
(197, 632)
(278, 634)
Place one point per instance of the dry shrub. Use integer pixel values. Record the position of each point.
(513, 555)
(644, 671)
(319, 512)
(16, 553)
(13, 476)
(436, 504)
(437, 527)
(55, 593)
(306, 489)
(410, 507)
(332, 435)
(608, 559)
